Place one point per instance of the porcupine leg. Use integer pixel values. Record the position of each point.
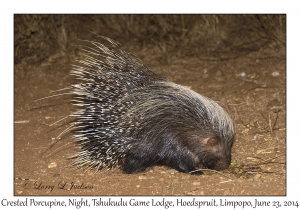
(141, 156)
(137, 162)
(140, 159)
(185, 164)
(179, 157)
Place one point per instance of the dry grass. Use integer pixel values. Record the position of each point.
(209, 37)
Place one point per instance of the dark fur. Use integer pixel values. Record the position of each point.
(178, 149)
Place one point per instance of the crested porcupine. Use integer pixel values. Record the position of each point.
(131, 118)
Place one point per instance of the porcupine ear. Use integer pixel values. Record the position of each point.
(210, 141)
(212, 144)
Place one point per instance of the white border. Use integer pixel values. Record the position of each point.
(237, 6)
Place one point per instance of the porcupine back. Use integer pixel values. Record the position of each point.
(131, 118)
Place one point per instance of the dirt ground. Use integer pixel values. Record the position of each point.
(251, 88)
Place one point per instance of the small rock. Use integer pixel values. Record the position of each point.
(19, 191)
(242, 74)
(275, 73)
(196, 183)
(52, 165)
(172, 171)
(142, 177)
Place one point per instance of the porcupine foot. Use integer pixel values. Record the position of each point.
(187, 167)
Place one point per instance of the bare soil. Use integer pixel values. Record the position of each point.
(251, 88)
